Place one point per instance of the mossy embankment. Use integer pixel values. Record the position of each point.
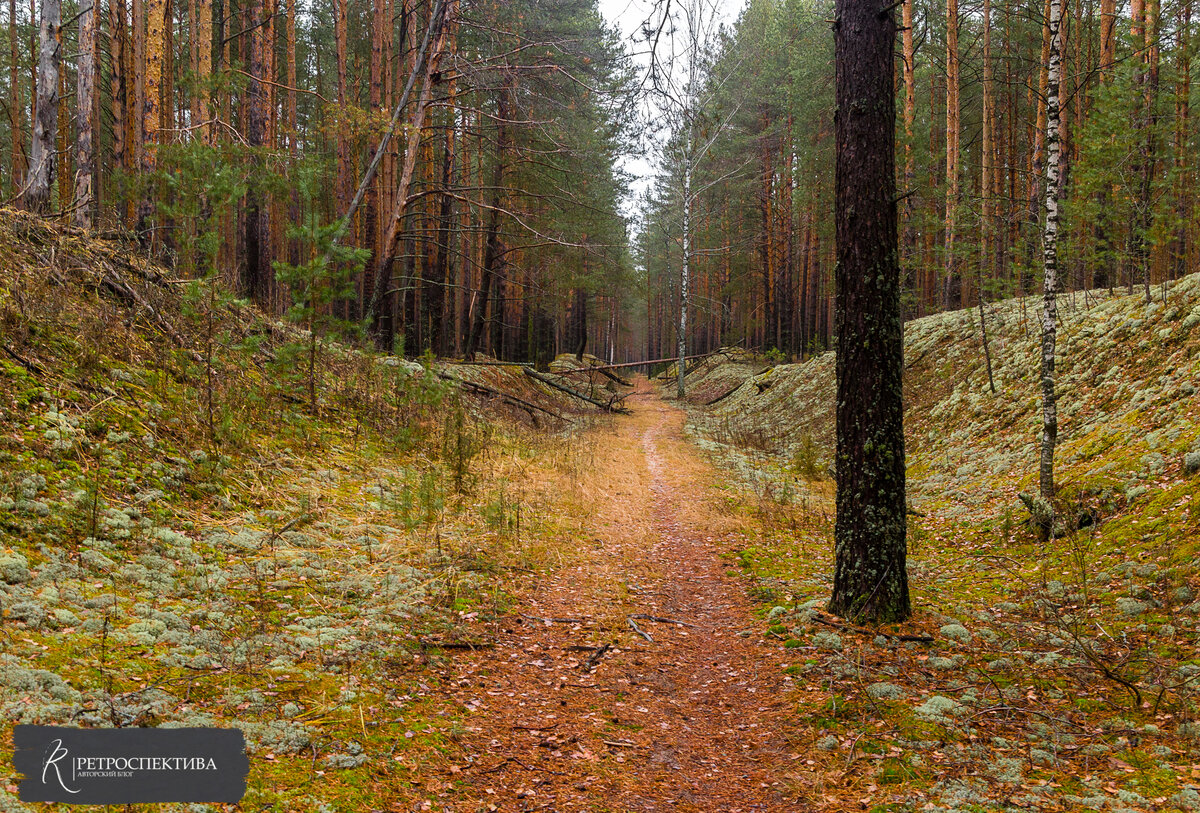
(186, 538)
(1063, 672)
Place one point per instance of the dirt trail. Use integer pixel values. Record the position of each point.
(694, 720)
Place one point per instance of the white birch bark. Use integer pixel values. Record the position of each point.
(1050, 255)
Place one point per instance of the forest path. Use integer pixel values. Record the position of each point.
(692, 721)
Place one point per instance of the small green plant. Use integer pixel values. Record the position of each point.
(806, 461)
(462, 442)
(198, 188)
(315, 284)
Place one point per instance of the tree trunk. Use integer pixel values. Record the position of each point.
(870, 576)
(391, 239)
(204, 69)
(1050, 261)
(439, 278)
(17, 165)
(1108, 37)
(1183, 85)
(340, 34)
(85, 103)
(492, 253)
(256, 271)
(1148, 78)
(987, 156)
(150, 101)
(45, 124)
(684, 274)
(580, 317)
(953, 109)
(909, 258)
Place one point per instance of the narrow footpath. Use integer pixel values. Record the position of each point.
(635, 679)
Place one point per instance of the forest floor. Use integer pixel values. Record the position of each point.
(574, 709)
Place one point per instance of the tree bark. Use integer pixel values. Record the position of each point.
(870, 576)
(953, 110)
(685, 273)
(492, 252)
(909, 257)
(340, 35)
(85, 103)
(1050, 262)
(391, 239)
(45, 124)
(1183, 85)
(256, 271)
(17, 164)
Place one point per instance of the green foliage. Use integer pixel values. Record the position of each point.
(196, 187)
(314, 284)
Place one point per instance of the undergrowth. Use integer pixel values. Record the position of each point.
(192, 535)
(1061, 672)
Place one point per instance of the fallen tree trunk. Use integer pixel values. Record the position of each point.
(550, 382)
(504, 396)
(611, 376)
(626, 364)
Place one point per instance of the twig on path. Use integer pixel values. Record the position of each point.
(661, 620)
(535, 727)
(633, 625)
(507, 760)
(565, 620)
(621, 744)
(591, 662)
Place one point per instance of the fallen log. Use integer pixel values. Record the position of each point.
(626, 364)
(611, 376)
(550, 382)
(504, 396)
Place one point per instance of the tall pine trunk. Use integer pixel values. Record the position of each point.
(17, 164)
(256, 271)
(870, 577)
(85, 98)
(45, 123)
(953, 175)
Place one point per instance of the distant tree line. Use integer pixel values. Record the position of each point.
(971, 85)
(491, 222)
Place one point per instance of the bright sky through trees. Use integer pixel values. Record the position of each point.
(629, 16)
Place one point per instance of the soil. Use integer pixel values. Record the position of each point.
(695, 719)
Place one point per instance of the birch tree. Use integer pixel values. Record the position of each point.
(686, 95)
(1050, 265)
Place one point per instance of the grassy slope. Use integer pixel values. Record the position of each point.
(287, 570)
(1072, 664)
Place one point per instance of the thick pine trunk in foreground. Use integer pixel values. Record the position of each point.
(870, 579)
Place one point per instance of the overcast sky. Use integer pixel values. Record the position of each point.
(628, 16)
